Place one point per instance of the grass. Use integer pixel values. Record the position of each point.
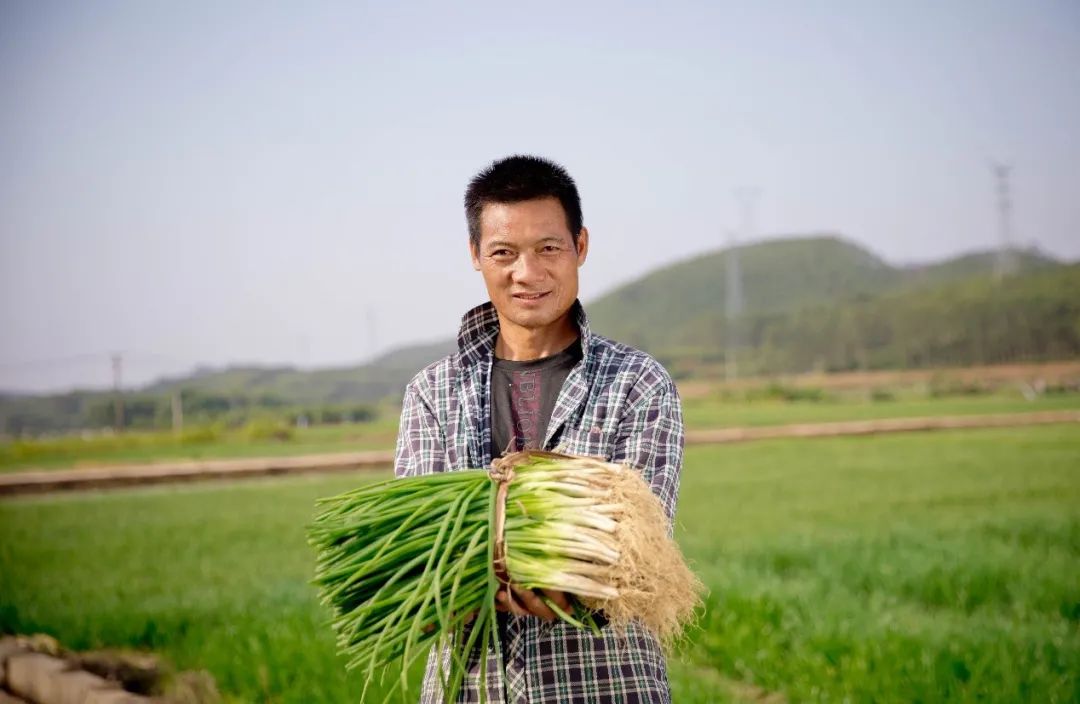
(713, 412)
(921, 567)
(700, 413)
(148, 447)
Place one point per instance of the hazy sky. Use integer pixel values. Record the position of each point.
(215, 182)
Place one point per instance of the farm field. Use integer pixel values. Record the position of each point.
(700, 411)
(929, 567)
(148, 447)
(716, 413)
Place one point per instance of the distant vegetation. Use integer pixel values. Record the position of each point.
(975, 321)
(825, 304)
(148, 411)
(810, 304)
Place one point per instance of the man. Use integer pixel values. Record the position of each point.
(529, 373)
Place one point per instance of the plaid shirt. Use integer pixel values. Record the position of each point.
(617, 403)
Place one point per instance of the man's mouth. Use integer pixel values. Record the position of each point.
(530, 296)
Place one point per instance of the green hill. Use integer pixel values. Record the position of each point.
(974, 320)
(232, 394)
(683, 305)
(974, 264)
(384, 376)
(776, 275)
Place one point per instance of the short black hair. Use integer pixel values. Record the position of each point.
(518, 178)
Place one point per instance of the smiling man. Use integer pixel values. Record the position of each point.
(529, 373)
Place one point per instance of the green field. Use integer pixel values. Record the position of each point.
(148, 447)
(922, 567)
(716, 413)
(700, 413)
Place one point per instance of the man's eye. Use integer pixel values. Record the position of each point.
(549, 248)
(501, 253)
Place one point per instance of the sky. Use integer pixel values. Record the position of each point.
(213, 183)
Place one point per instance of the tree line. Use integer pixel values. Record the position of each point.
(142, 411)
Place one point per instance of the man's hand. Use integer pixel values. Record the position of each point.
(523, 602)
(529, 602)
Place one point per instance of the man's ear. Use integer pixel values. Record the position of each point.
(474, 254)
(582, 245)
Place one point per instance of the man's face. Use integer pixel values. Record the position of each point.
(528, 260)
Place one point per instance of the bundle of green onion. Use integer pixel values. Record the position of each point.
(406, 563)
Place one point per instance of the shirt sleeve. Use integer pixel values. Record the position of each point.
(650, 437)
(420, 442)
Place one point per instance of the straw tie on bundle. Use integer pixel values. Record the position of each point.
(502, 473)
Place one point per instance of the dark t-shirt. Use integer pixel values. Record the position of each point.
(523, 396)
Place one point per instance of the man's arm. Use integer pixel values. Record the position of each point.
(421, 441)
(650, 437)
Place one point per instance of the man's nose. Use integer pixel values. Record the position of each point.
(527, 268)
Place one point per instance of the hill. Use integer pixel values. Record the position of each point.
(973, 265)
(975, 320)
(231, 394)
(667, 309)
(384, 376)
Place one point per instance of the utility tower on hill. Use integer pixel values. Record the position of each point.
(118, 391)
(734, 299)
(1006, 259)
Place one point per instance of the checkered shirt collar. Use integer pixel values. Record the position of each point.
(480, 328)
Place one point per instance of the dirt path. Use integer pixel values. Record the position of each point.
(39, 481)
(188, 470)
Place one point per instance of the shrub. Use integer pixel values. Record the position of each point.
(268, 429)
(776, 391)
(200, 435)
(882, 395)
